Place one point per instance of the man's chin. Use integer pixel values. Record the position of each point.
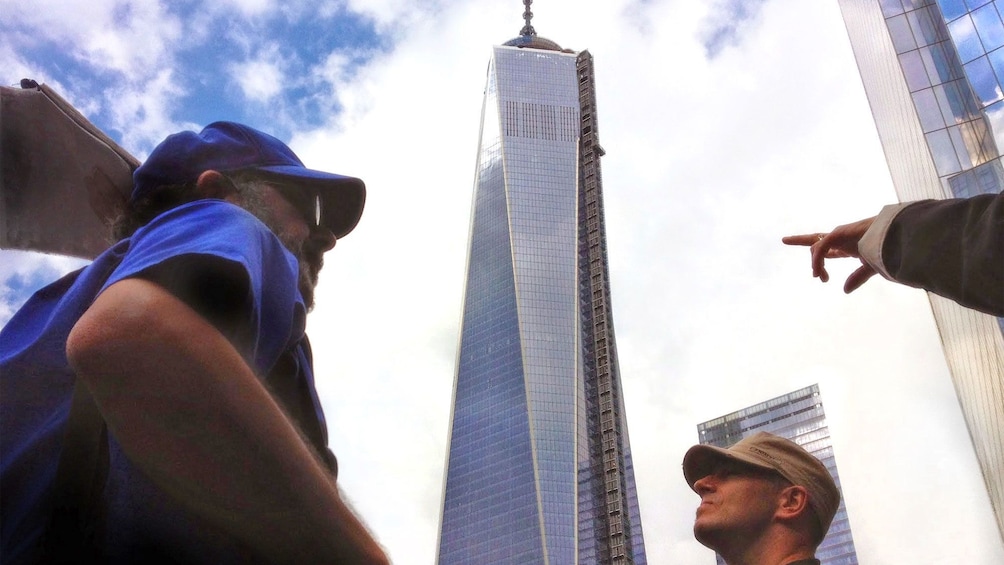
(705, 534)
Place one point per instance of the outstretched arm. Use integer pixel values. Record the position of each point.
(839, 243)
(953, 248)
(191, 414)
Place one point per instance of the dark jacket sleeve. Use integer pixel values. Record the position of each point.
(954, 248)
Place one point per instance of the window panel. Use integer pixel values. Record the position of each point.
(891, 7)
(953, 108)
(967, 148)
(963, 185)
(952, 8)
(966, 41)
(928, 110)
(939, 67)
(997, 63)
(923, 27)
(945, 159)
(901, 34)
(989, 27)
(995, 115)
(983, 80)
(913, 69)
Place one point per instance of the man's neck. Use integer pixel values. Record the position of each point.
(769, 552)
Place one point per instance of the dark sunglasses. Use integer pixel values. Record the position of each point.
(306, 201)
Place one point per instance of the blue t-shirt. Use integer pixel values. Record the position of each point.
(228, 266)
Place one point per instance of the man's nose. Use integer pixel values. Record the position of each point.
(322, 239)
(704, 484)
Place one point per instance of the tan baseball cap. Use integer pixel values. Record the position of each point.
(768, 451)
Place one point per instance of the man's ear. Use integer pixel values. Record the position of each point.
(793, 502)
(214, 184)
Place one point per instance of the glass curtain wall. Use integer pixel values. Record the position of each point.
(941, 129)
(516, 386)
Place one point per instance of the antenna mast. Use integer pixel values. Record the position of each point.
(527, 16)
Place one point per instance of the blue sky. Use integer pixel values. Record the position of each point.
(727, 124)
(269, 65)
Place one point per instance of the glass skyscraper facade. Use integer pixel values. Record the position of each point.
(539, 465)
(797, 416)
(933, 73)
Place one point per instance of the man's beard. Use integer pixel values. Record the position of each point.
(309, 262)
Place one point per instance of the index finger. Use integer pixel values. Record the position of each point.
(806, 239)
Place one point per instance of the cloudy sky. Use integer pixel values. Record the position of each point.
(727, 124)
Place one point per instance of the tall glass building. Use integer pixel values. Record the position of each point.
(539, 465)
(933, 73)
(797, 416)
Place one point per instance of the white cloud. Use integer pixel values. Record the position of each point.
(133, 38)
(260, 79)
(248, 8)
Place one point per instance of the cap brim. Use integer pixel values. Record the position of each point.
(700, 461)
(342, 197)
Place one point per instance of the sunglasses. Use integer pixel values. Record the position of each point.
(306, 201)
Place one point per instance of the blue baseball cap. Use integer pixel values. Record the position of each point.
(229, 146)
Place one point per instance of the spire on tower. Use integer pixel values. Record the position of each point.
(527, 16)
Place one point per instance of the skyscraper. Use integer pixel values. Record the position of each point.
(933, 73)
(797, 416)
(539, 467)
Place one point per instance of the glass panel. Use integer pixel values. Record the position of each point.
(988, 24)
(952, 108)
(943, 152)
(995, 115)
(913, 69)
(891, 7)
(963, 185)
(997, 63)
(966, 145)
(923, 27)
(966, 41)
(989, 145)
(902, 36)
(927, 109)
(973, 4)
(983, 80)
(940, 68)
(952, 8)
(990, 177)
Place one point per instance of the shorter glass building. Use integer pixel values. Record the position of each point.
(797, 416)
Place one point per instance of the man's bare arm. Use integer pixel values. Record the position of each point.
(191, 414)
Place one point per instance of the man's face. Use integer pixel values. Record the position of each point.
(293, 214)
(737, 503)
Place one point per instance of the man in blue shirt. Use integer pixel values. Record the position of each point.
(185, 341)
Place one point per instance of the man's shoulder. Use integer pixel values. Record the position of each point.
(210, 227)
(207, 214)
